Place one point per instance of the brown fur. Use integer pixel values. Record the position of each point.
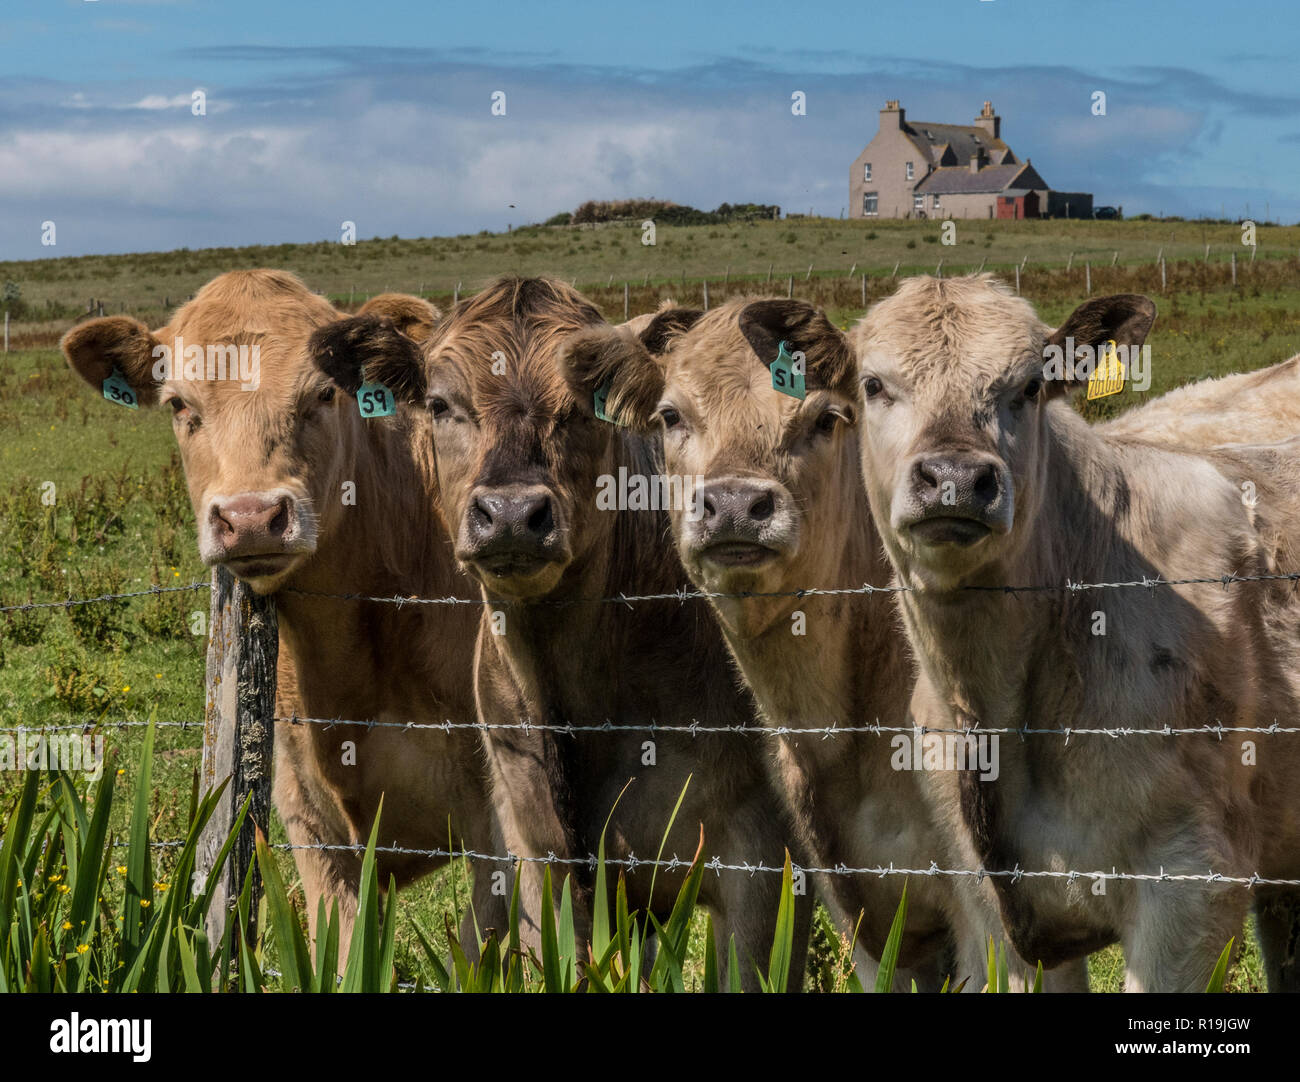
(561, 659)
(338, 659)
(1089, 506)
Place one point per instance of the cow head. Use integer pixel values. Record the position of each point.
(958, 379)
(768, 465)
(264, 440)
(517, 455)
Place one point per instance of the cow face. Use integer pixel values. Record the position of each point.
(517, 456)
(767, 464)
(955, 397)
(265, 440)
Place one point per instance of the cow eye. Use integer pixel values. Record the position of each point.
(182, 412)
(670, 417)
(872, 386)
(326, 395)
(827, 421)
(1032, 388)
(437, 405)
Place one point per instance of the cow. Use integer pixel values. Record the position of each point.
(301, 497)
(523, 465)
(784, 510)
(980, 477)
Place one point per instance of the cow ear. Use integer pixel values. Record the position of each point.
(828, 358)
(667, 324)
(413, 316)
(369, 349)
(615, 361)
(96, 348)
(1124, 318)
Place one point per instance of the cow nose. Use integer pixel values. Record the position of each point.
(738, 506)
(516, 513)
(250, 523)
(963, 483)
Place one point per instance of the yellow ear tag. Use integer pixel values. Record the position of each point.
(1108, 377)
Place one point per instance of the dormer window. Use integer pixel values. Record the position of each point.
(910, 174)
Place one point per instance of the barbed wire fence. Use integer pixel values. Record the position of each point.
(240, 720)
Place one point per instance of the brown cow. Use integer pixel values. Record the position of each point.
(522, 463)
(297, 494)
(784, 510)
(980, 475)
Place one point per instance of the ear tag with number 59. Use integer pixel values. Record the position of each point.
(116, 389)
(375, 400)
(787, 373)
(598, 399)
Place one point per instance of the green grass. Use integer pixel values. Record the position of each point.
(122, 520)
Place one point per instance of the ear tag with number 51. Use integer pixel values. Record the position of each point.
(787, 373)
(375, 400)
(598, 399)
(116, 389)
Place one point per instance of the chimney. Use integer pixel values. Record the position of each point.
(975, 162)
(989, 121)
(891, 116)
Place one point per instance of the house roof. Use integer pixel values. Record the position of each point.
(959, 180)
(965, 140)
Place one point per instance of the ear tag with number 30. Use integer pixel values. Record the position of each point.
(787, 373)
(375, 400)
(116, 389)
(598, 399)
(1108, 377)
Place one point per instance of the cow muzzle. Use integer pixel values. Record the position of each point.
(954, 498)
(512, 537)
(745, 523)
(257, 535)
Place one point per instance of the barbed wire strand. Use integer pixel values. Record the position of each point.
(685, 594)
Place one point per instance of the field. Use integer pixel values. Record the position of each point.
(120, 519)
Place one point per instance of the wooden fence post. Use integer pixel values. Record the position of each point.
(1233, 259)
(1162, 276)
(6, 330)
(1017, 279)
(706, 294)
(1087, 279)
(864, 289)
(238, 737)
(789, 287)
(625, 302)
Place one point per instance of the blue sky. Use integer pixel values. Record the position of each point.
(380, 113)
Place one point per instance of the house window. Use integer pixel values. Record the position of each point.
(869, 203)
(918, 202)
(866, 171)
(936, 200)
(909, 171)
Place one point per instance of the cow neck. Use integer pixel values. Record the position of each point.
(988, 679)
(584, 661)
(389, 544)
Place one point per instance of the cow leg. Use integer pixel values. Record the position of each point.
(1178, 934)
(1277, 921)
(1067, 977)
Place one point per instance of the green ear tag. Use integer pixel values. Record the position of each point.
(116, 389)
(787, 374)
(598, 399)
(375, 400)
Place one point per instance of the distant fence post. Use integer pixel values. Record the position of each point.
(706, 294)
(6, 330)
(789, 287)
(238, 737)
(1087, 279)
(1017, 279)
(625, 301)
(1233, 258)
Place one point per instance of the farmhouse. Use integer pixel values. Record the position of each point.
(925, 170)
